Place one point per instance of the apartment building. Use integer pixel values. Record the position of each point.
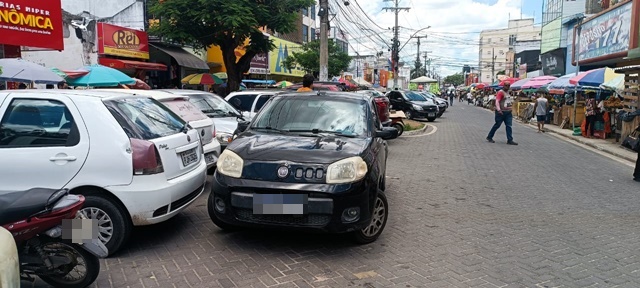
(495, 45)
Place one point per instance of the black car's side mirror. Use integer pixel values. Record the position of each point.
(242, 126)
(387, 133)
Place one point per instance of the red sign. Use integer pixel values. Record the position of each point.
(31, 23)
(121, 41)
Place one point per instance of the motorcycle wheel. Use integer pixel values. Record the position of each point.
(82, 271)
(399, 127)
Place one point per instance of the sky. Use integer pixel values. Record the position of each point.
(452, 40)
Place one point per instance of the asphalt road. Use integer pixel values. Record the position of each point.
(464, 213)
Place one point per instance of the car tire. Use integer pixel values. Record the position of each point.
(108, 213)
(409, 114)
(431, 119)
(398, 127)
(214, 218)
(379, 218)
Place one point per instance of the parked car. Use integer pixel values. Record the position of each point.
(442, 104)
(321, 86)
(249, 102)
(187, 111)
(382, 105)
(135, 161)
(325, 156)
(224, 116)
(413, 105)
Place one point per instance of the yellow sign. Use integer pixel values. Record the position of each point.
(281, 52)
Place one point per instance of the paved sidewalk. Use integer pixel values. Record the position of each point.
(608, 146)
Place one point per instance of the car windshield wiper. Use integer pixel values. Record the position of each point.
(269, 128)
(318, 131)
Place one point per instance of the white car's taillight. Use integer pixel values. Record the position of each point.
(146, 159)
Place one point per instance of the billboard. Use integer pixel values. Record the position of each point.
(553, 62)
(606, 34)
(121, 41)
(31, 23)
(280, 53)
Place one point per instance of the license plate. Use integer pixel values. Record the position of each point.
(280, 204)
(210, 158)
(431, 115)
(189, 157)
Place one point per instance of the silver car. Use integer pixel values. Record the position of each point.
(223, 114)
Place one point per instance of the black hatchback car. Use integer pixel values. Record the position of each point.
(310, 161)
(413, 105)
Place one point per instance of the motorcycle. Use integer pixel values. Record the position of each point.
(36, 218)
(396, 120)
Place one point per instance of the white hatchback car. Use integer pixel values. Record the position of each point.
(135, 161)
(190, 113)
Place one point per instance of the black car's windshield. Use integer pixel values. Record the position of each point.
(314, 115)
(412, 96)
(213, 106)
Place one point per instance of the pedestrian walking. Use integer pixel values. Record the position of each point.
(541, 108)
(636, 171)
(504, 104)
(451, 97)
(469, 97)
(590, 112)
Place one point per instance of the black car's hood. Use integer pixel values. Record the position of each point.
(423, 103)
(321, 149)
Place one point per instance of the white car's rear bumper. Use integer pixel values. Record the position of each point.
(211, 153)
(153, 199)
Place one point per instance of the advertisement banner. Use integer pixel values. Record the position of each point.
(280, 53)
(121, 41)
(553, 62)
(384, 78)
(606, 34)
(522, 71)
(259, 64)
(31, 23)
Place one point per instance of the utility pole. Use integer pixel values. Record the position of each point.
(324, 41)
(418, 58)
(395, 50)
(426, 70)
(493, 65)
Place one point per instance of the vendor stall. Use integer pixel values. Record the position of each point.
(630, 97)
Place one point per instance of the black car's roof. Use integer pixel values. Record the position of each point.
(336, 94)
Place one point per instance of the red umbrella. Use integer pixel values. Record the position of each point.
(510, 80)
(480, 86)
(140, 85)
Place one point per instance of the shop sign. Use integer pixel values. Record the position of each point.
(259, 64)
(605, 34)
(121, 41)
(553, 62)
(281, 53)
(31, 23)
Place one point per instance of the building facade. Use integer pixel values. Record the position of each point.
(495, 45)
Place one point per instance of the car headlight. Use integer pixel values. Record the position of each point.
(224, 138)
(230, 164)
(417, 107)
(346, 170)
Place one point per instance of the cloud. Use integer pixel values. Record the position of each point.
(452, 39)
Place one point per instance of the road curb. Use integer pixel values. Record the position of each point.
(581, 141)
(416, 132)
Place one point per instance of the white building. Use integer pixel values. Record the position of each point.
(308, 28)
(495, 45)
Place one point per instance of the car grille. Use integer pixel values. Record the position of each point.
(310, 220)
(184, 200)
(308, 173)
(430, 108)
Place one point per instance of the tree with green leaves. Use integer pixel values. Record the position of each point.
(308, 58)
(226, 24)
(455, 79)
(418, 70)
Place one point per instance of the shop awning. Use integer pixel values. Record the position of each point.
(184, 58)
(130, 64)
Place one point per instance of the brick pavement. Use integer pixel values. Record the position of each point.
(464, 213)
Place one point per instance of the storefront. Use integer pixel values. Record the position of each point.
(179, 61)
(126, 50)
(282, 51)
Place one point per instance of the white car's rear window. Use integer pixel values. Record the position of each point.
(185, 109)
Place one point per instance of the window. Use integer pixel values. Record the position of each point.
(145, 118)
(263, 99)
(313, 34)
(305, 33)
(38, 123)
(501, 39)
(489, 40)
(185, 109)
(305, 11)
(313, 12)
(212, 106)
(243, 102)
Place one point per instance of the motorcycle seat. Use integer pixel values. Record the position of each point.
(19, 205)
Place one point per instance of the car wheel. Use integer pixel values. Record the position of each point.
(431, 119)
(409, 114)
(398, 127)
(378, 221)
(212, 214)
(114, 226)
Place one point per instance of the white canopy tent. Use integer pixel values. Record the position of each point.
(423, 79)
(362, 82)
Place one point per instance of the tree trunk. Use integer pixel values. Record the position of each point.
(235, 70)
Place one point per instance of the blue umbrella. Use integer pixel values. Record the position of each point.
(18, 70)
(101, 76)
